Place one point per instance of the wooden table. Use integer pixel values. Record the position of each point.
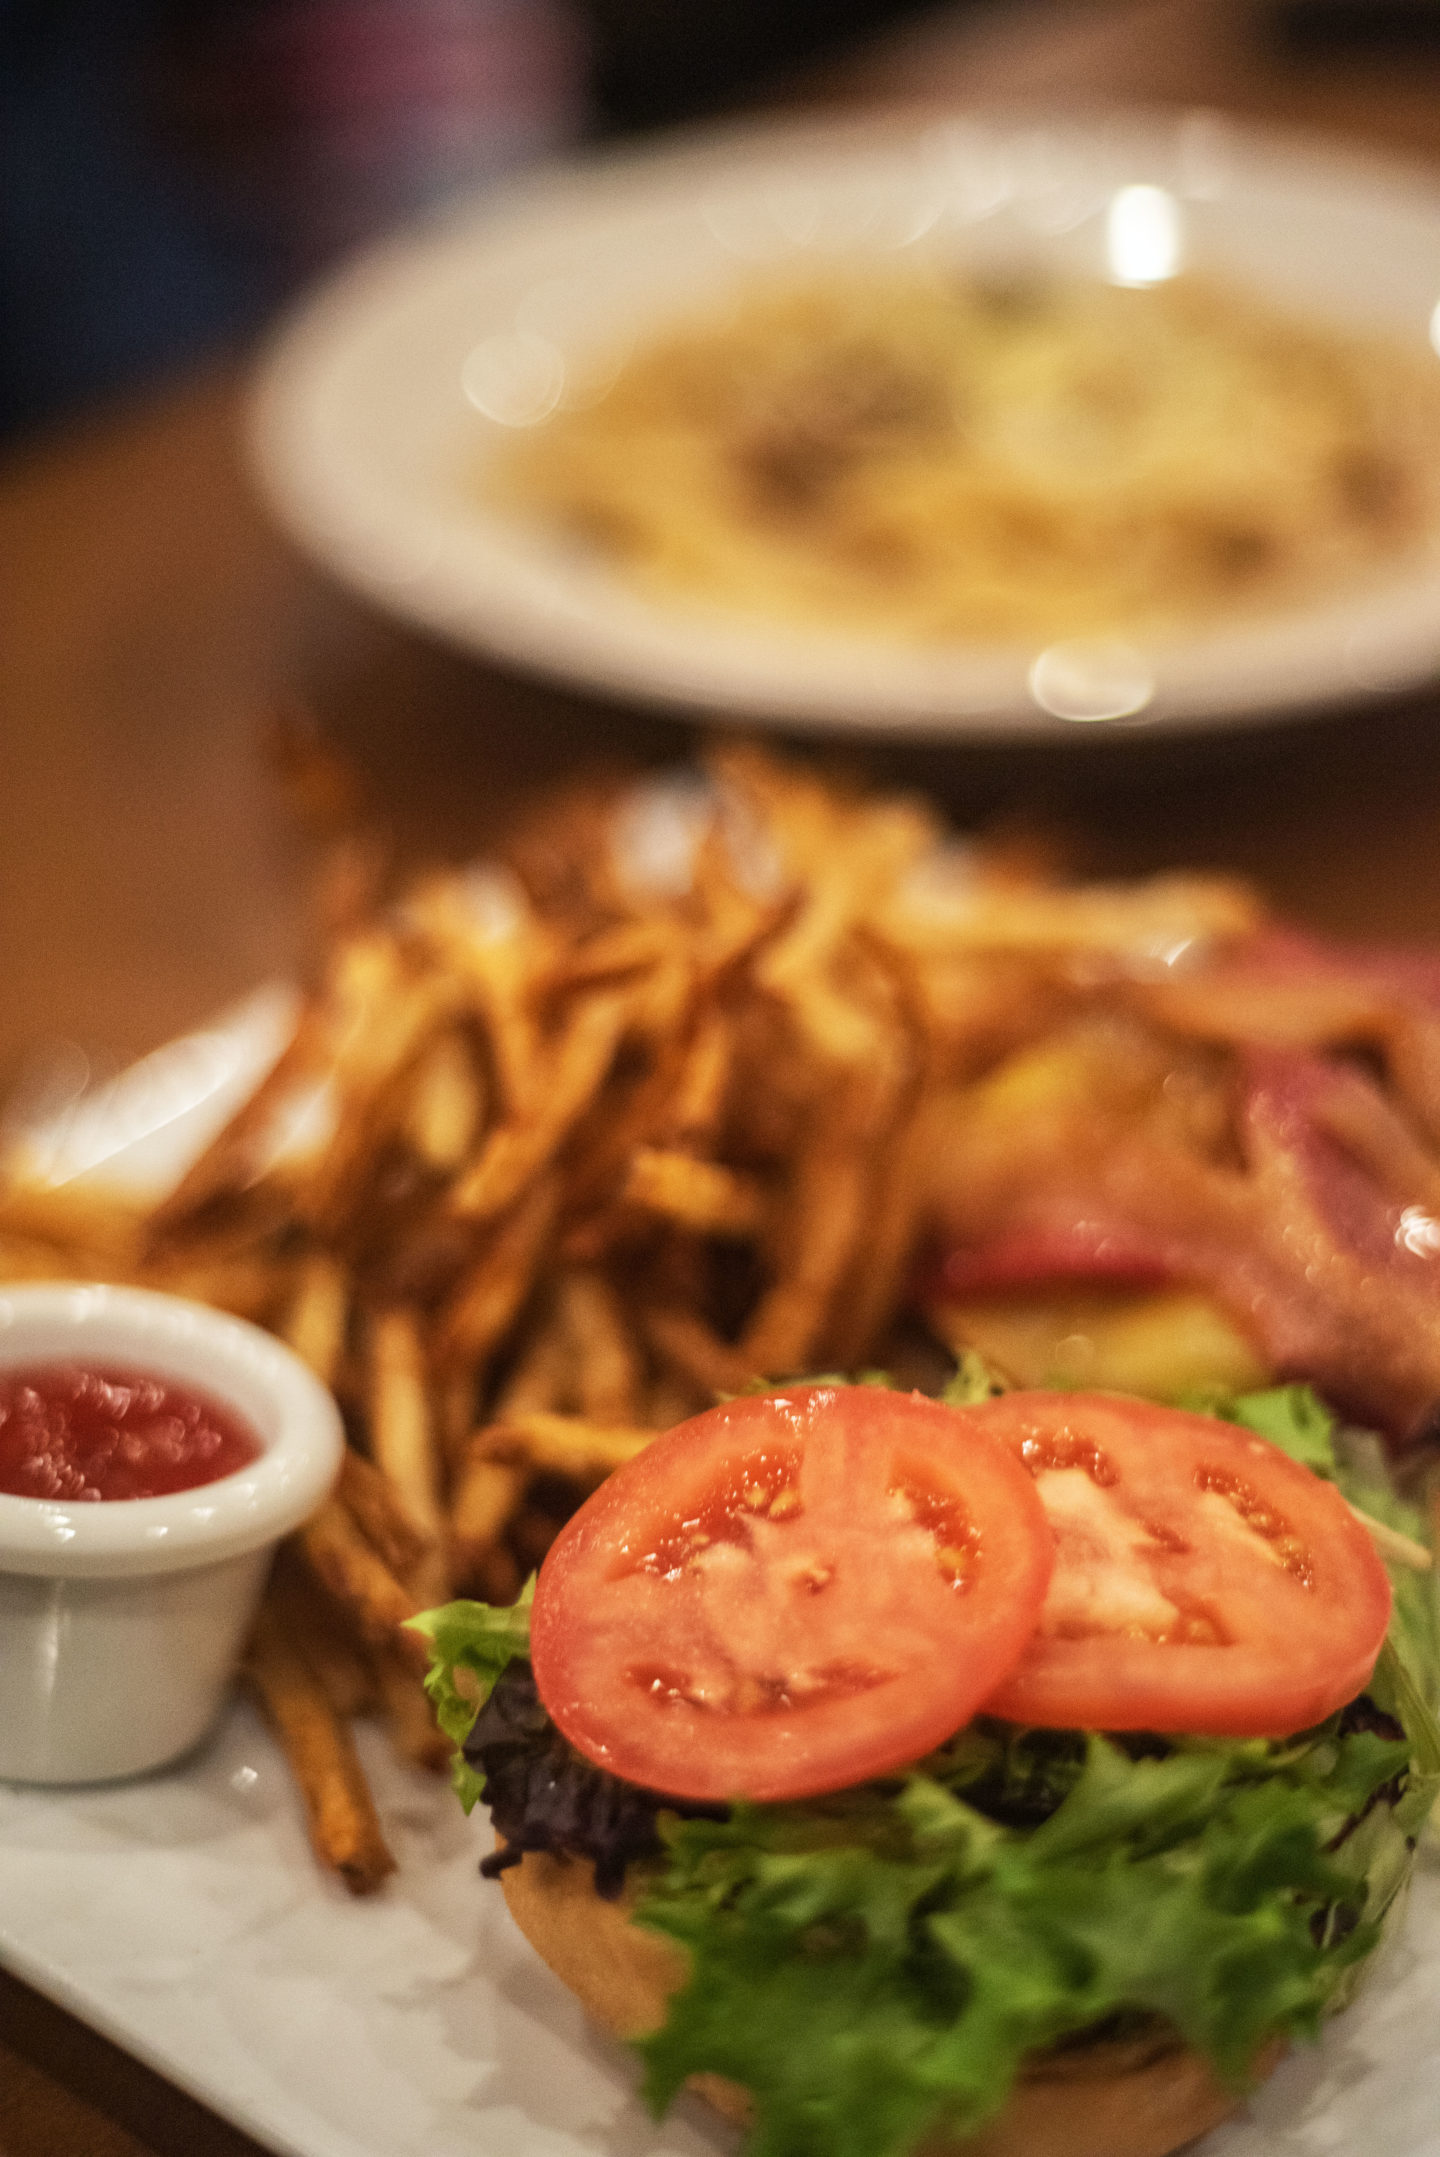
(149, 870)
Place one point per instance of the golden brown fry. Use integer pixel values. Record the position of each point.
(701, 1195)
(608, 1367)
(447, 1107)
(1123, 920)
(543, 1373)
(405, 1445)
(700, 1085)
(373, 1064)
(76, 1219)
(402, 1431)
(318, 1314)
(824, 1224)
(482, 930)
(488, 1493)
(323, 1634)
(695, 1352)
(562, 1445)
(488, 1299)
(378, 1510)
(339, 1810)
(355, 1573)
(253, 1287)
(564, 1087)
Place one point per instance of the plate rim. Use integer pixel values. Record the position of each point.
(288, 381)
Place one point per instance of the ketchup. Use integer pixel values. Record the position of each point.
(69, 1432)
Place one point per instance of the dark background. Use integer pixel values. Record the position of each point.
(171, 170)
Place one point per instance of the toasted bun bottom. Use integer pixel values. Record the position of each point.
(1135, 2099)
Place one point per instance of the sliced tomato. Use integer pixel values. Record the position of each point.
(789, 1594)
(1203, 1581)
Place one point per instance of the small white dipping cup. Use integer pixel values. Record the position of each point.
(121, 1620)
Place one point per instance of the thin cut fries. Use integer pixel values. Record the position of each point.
(666, 1104)
(340, 1812)
(356, 1575)
(403, 1440)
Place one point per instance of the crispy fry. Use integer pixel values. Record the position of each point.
(78, 1219)
(406, 1447)
(823, 1231)
(447, 1108)
(694, 1351)
(319, 1629)
(701, 1195)
(378, 1510)
(339, 1810)
(355, 1573)
(488, 1493)
(319, 1311)
(402, 1429)
(564, 1445)
(607, 1362)
(489, 1298)
(543, 1374)
(516, 1153)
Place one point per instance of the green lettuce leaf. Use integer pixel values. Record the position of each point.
(878, 1967)
(470, 1645)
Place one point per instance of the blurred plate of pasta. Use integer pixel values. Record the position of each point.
(978, 425)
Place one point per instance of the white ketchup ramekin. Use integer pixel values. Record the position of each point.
(121, 1621)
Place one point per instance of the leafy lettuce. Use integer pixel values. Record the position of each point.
(881, 1966)
(471, 1645)
(879, 1963)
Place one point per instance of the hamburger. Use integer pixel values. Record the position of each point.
(1008, 1775)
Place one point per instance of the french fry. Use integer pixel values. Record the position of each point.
(608, 1364)
(699, 1097)
(488, 1493)
(694, 1351)
(76, 1218)
(374, 1062)
(488, 1300)
(318, 1313)
(316, 1626)
(346, 1563)
(379, 1511)
(563, 1445)
(703, 1196)
(447, 1106)
(340, 1813)
(544, 1374)
(403, 1440)
(516, 1153)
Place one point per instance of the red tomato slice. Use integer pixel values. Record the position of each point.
(789, 1594)
(1203, 1580)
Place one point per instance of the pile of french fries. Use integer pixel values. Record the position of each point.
(567, 1145)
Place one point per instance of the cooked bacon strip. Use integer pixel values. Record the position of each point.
(1281, 989)
(1321, 1244)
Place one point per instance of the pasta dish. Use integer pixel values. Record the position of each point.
(929, 459)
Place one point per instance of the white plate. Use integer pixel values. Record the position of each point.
(368, 444)
(183, 1915)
